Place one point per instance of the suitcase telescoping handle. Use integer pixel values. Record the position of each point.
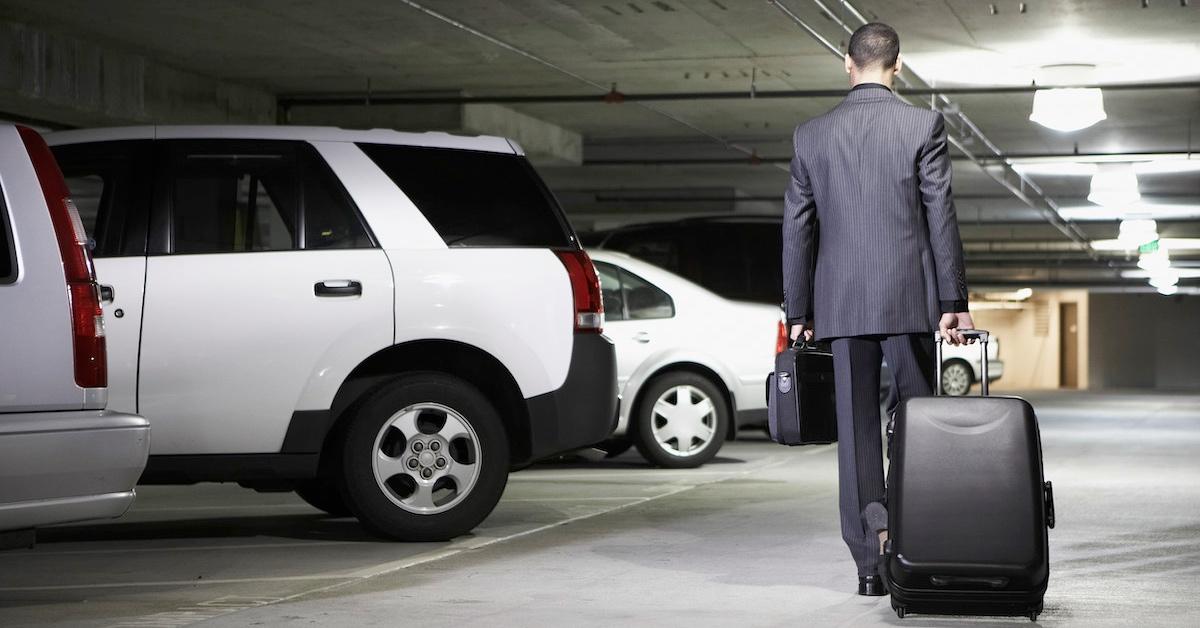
(982, 335)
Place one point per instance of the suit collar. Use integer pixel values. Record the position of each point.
(869, 91)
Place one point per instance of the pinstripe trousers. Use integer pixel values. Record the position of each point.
(856, 363)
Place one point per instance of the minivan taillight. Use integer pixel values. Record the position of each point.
(781, 337)
(585, 286)
(83, 295)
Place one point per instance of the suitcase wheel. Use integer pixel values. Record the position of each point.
(900, 610)
(1033, 615)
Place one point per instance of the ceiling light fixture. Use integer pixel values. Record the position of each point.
(1114, 184)
(1134, 233)
(1164, 279)
(1155, 261)
(1067, 109)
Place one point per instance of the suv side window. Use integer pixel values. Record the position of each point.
(610, 291)
(331, 220)
(8, 252)
(235, 196)
(225, 200)
(110, 183)
(644, 300)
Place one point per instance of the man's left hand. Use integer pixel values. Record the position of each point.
(797, 330)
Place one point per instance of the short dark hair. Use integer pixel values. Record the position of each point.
(874, 43)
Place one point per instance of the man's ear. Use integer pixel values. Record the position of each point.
(849, 63)
(899, 64)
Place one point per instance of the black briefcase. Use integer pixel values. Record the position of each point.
(800, 400)
(968, 508)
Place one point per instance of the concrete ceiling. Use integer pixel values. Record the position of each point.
(644, 46)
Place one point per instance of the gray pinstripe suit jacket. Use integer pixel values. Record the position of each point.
(870, 238)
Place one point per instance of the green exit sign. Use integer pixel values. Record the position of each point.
(1148, 247)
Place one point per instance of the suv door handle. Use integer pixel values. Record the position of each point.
(642, 337)
(337, 288)
(107, 294)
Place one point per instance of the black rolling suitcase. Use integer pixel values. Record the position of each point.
(968, 508)
(800, 401)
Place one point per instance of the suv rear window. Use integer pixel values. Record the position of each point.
(475, 198)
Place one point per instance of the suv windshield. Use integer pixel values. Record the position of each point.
(475, 198)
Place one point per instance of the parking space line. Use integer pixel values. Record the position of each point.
(455, 548)
(166, 583)
(188, 548)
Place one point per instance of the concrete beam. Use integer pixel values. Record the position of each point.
(65, 81)
(545, 143)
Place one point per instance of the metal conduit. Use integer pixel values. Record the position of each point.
(400, 98)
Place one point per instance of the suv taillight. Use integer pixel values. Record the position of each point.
(87, 319)
(781, 337)
(585, 286)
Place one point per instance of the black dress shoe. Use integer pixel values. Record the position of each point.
(871, 585)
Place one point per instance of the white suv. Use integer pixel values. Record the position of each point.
(384, 322)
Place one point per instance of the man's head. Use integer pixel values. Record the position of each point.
(873, 55)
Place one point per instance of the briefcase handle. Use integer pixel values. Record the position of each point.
(983, 336)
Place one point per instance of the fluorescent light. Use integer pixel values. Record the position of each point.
(1168, 290)
(1114, 184)
(1139, 210)
(1134, 233)
(1164, 163)
(1020, 294)
(1174, 244)
(1167, 166)
(1068, 109)
(1182, 273)
(1055, 168)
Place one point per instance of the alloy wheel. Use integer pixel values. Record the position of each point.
(426, 458)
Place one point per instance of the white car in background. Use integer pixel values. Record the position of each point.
(689, 363)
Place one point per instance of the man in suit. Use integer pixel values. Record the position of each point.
(872, 260)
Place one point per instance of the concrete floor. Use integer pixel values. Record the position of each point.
(750, 540)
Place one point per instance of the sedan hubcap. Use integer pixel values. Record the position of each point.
(956, 381)
(684, 420)
(426, 458)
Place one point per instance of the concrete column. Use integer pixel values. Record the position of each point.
(66, 81)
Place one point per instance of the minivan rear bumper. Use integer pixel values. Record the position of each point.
(583, 411)
(57, 467)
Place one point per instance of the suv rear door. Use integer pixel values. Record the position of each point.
(261, 280)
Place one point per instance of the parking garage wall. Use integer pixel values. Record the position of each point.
(1144, 341)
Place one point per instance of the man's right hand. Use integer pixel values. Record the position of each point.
(797, 330)
(953, 324)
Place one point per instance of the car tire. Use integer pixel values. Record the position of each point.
(425, 458)
(652, 430)
(323, 495)
(956, 378)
